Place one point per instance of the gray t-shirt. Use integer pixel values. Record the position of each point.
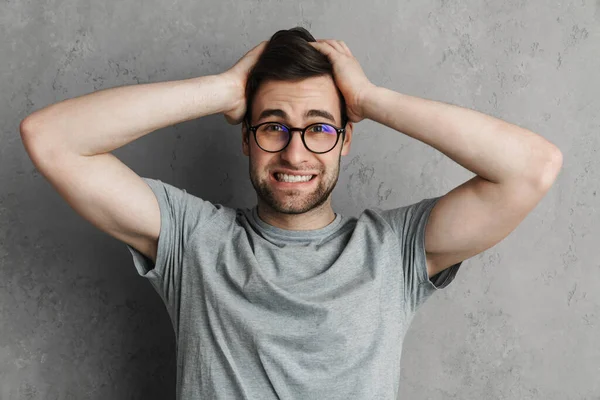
(266, 313)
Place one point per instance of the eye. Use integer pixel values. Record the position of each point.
(322, 128)
(274, 127)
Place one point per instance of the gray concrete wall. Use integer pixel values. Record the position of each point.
(522, 319)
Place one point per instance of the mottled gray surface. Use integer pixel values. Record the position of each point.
(522, 319)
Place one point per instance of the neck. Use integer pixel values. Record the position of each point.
(316, 218)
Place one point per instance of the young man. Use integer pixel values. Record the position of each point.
(289, 299)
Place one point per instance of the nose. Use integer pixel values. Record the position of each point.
(295, 152)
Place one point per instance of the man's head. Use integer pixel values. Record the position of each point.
(290, 79)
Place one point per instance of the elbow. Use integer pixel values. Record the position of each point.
(30, 124)
(550, 169)
(36, 146)
(26, 128)
(29, 129)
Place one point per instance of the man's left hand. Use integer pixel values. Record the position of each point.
(348, 75)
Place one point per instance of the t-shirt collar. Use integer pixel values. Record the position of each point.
(276, 232)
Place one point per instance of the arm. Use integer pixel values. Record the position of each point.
(103, 121)
(515, 168)
(70, 143)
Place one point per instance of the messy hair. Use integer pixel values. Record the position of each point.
(288, 57)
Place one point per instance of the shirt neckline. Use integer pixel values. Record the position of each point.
(295, 234)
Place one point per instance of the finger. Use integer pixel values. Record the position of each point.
(340, 45)
(345, 48)
(252, 56)
(335, 44)
(324, 48)
(259, 48)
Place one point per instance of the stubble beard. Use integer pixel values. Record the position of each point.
(293, 201)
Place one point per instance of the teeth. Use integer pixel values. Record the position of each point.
(293, 178)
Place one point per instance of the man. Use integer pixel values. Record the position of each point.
(289, 299)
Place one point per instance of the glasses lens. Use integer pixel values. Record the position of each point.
(272, 136)
(318, 137)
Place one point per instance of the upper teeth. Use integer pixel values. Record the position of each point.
(293, 178)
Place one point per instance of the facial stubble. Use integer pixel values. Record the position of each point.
(291, 201)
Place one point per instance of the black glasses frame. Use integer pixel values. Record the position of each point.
(303, 131)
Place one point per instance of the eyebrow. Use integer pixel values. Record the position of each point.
(276, 112)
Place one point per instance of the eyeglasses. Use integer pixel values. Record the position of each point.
(318, 138)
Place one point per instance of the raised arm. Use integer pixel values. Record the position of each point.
(70, 143)
(514, 167)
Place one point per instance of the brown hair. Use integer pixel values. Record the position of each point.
(289, 57)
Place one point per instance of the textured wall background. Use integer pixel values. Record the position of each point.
(521, 321)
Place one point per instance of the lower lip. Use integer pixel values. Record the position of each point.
(293, 184)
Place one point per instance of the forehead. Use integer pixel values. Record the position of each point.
(297, 97)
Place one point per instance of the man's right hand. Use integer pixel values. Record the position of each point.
(70, 143)
(238, 75)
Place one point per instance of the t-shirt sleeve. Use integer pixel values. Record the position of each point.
(408, 223)
(180, 214)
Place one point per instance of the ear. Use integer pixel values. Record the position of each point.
(347, 138)
(245, 139)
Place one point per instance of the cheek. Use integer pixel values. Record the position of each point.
(331, 163)
(259, 162)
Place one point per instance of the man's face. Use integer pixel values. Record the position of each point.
(294, 100)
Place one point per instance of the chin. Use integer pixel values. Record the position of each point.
(290, 201)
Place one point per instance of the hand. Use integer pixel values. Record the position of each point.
(238, 76)
(348, 76)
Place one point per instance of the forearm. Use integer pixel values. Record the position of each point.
(105, 120)
(489, 147)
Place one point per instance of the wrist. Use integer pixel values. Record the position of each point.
(229, 90)
(234, 91)
(365, 98)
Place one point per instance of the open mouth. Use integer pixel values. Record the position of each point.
(283, 178)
